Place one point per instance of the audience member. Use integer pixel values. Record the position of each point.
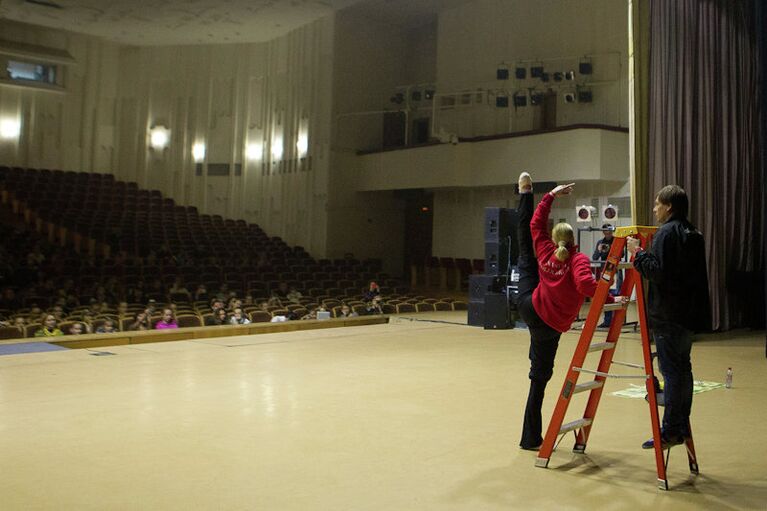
(239, 318)
(76, 328)
(372, 292)
(346, 312)
(141, 321)
(201, 294)
(50, 328)
(168, 320)
(374, 306)
(294, 295)
(107, 328)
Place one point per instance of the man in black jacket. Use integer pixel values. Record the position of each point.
(677, 304)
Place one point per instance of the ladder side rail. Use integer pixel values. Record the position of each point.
(650, 386)
(579, 356)
(605, 361)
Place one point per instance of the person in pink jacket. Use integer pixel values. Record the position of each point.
(554, 281)
(167, 321)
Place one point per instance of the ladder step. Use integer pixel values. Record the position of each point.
(601, 346)
(613, 306)
(623, 265)
(574, 425)
(589, 385)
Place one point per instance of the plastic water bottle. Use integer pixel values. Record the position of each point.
(728, 378)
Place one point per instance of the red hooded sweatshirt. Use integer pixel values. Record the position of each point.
(563, 285)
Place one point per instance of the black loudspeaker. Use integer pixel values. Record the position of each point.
(500, 240)
(480, 285)
(476, 313)
(496, 313)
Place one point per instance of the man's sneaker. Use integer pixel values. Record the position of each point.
(525, 183)
(531, 448)
(667, 443)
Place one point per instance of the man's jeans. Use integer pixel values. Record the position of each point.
(673, 343)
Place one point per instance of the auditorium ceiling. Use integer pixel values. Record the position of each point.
(170, 22)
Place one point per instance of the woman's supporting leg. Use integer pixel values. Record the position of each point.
(544, 341)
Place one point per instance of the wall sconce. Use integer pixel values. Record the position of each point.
(10, 128)
(254, 151)
(159, 137)
(198, 151)
(302, 145)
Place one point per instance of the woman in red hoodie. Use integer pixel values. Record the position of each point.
(554, 280)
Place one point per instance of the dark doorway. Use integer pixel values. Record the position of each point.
(549, 110)
(393, 130)
(419, 216)
(420, 134)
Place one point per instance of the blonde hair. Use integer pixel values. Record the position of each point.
(562, 234)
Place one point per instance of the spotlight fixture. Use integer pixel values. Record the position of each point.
(428, 94)
(536, 98)
(585, 68)
(545, 77)
(502, 101)
(536, 71)
(585, 96)
(570, 75)
(609, 213)
(520, 99)
(569, 97)
(558, 76)
(520, 73)
(502, 73)
(585, 213)
(415, 95)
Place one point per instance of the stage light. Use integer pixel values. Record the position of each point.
(397, 98)
(569, 97)
(428, 94)
(536, 71)
(415, 95)
(502, 101)
(558, 76)
(570, 75)
(502, 73)
(585, 96)
(585, 68)
(536, 98)
(159, 137)
(520, 73)
(520, 99)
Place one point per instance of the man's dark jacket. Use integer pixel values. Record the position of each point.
(676, 270)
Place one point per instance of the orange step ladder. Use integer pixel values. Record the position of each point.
(582, 427)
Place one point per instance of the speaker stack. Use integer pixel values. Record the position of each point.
(488, 294)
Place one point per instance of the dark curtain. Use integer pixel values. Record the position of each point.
(760, 15)
(704, 135)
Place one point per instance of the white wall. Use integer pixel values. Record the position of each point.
(73, 130)
(371, 59)
(475, 37)
(227, 97)
(459, 214)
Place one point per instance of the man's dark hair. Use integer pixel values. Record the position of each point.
(675, 196)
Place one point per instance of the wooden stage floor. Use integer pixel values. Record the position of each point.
(410, 415)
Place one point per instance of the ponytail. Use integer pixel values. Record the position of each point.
(562, 235)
